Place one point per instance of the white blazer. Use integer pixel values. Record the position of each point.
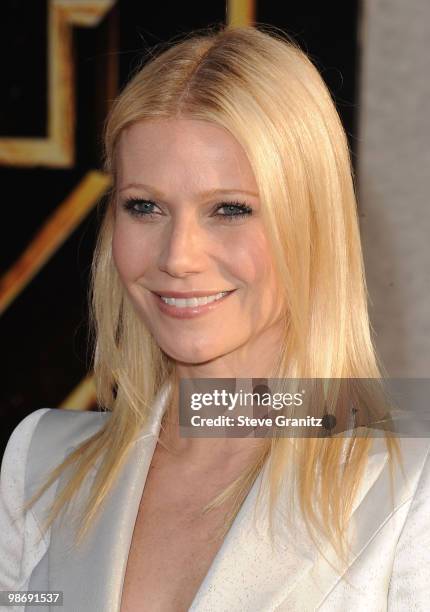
(390, 569)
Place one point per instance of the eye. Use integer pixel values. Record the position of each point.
(231, 211)
(234, 211)
(140, 208)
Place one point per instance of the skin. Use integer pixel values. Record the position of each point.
(188, 243)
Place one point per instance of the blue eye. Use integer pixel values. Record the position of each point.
(234, 210)
(139, 207)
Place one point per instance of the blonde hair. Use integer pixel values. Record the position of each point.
(267, 93)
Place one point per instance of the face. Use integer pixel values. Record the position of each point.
(188, 228)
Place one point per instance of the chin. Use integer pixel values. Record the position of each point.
(192, 355)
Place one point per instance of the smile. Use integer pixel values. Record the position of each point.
(190, 302)
(189, 307)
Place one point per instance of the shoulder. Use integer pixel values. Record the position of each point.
(410, 459)
(19, 441)
(409, 586)
(415, 464)
(13, 466)
(65, 428)
(53, 426)
(39, 443)
(408, 472)
(13, 523)
(415, 473)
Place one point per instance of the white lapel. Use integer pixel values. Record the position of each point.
(374, 507)
(247, 572)
(250, 574)
(91, 576)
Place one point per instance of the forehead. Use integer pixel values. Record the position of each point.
(184, 151)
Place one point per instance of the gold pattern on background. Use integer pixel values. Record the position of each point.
(55, 231)
(240, 12)
(57, 149)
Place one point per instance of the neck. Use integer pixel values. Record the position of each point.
(207, 454)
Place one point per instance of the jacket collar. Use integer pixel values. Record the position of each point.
(247, 567)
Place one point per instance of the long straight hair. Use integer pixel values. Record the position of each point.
(266, 92)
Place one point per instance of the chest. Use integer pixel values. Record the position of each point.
(173, 544)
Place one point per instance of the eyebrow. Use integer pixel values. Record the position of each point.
(203, 194)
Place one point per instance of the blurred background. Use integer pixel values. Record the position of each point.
(63, 62)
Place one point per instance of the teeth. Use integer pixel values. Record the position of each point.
(193, 302)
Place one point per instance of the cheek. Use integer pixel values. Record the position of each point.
(128, 252)
(255, 268)
(250, 256)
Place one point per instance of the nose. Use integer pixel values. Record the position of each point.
(183, 247)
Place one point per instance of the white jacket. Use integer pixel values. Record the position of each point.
(390, 569)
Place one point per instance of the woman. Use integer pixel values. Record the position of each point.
(229, 249)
